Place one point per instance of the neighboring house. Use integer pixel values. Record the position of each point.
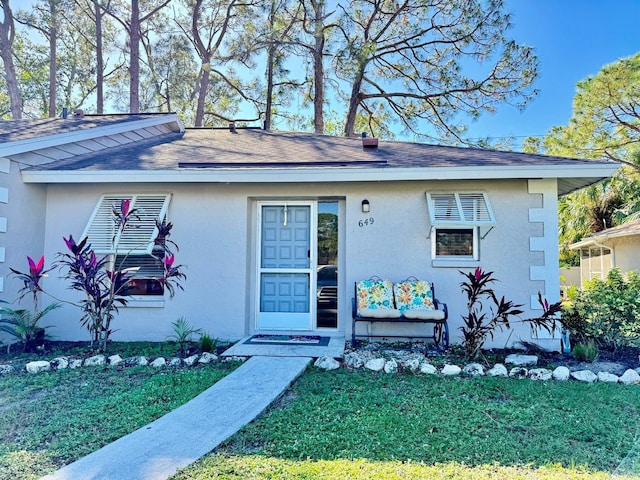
(617, 247)
(257, 214)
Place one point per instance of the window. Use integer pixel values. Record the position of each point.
(455, 222)
(132, 250)
(143, 272)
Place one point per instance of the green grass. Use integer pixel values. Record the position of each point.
(358, 424)
(51, 419)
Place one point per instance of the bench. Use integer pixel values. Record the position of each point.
(410, 301)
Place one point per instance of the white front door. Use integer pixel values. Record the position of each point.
(286, 265)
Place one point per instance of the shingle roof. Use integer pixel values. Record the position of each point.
(253, 148)
(26, 129)
(624, 230)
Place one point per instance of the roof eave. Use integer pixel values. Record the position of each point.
(581, 174)
(33, 144)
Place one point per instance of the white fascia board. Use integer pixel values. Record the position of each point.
(316, 175)
(32, 144)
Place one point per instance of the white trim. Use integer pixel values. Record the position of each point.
(5, 165)
(32, 144)
(455, 260)
(316, 175)
(271, 319)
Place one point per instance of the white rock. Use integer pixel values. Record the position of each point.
(75, 363)
(391, 366)
(234, 358)
(518, 372)
(189, 361)
(473, 369)
(541, 374)
(630, 377)
(115, 360)
(412, 364)
(38, 366)
(6, 369)
(561, 373)
(95, 361)
(207, 357)
(375, 364)
(498, 370)
(59, 363)
(353, 360)
(607, 377)
(136, 361)
(327, 363)
(586, 376)
(428, 369)
(158, 362)
(175, 362)
(519, 360)
(451, 370)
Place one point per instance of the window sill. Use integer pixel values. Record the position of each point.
(145, 302)
(455, 263)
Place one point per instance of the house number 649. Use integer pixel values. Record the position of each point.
(366, 222)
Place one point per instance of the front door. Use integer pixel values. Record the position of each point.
(286, 265)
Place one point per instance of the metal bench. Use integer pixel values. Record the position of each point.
(437, 316)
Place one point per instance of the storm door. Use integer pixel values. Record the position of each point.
(286, 263)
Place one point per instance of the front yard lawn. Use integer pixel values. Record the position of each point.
(50, 419)
(359, 424)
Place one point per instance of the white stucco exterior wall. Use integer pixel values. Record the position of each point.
(215, 228)
(22, 228)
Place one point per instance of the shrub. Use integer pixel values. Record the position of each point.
(207, 343)
(480, 323)
(585, 352)
(606, 312)
(182, 334)
(23, 324)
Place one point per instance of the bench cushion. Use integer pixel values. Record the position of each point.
(424, 314)
(413, 295)
(374, 295)
(379, 313)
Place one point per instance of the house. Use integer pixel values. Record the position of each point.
(616, 247)
(264, 220)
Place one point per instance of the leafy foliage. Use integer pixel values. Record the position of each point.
(182, 334)
(103, 284)
(23, 324)
(585, 352)
(481, 323)
(606, 312)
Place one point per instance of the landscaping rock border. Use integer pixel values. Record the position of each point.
(391, 361)
(63, 363)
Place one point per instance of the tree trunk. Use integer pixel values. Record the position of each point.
(202, 93)
(53, 40)
(354, 103)
(99, 59)
(134, 59)
(7, 34)
(318, 68)
(269, 103)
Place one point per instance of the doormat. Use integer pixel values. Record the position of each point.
(311, 340)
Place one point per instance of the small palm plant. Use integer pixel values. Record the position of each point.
(23, 324)
(182, 335)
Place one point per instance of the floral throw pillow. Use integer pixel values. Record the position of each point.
(413, 295)
(374, 294)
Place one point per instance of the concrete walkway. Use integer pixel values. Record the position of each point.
(158, 450)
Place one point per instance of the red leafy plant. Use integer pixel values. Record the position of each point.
(481, 322)
(22, 323)
(104, 285)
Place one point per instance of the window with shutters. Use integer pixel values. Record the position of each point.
(132, 250)
(455, 222)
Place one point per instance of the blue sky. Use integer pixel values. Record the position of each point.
(573, 39)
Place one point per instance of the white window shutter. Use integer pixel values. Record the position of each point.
(460, 209)
(141, 228)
